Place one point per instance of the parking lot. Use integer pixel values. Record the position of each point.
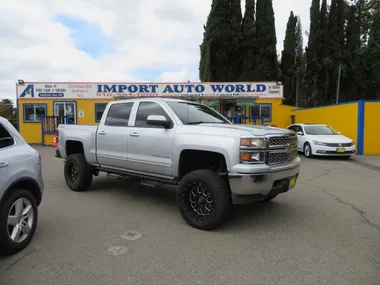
(324, 231)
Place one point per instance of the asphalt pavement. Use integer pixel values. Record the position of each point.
(324, 231)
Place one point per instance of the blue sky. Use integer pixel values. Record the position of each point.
(125, 41)
(87, 37)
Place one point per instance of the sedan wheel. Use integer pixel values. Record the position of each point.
(307, 150)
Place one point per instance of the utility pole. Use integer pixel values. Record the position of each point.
(338, 87)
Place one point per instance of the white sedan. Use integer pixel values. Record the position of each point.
(322, 140)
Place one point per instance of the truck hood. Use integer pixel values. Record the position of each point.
(253, 129)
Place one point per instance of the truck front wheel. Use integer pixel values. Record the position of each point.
(203, 199)
(78, 174)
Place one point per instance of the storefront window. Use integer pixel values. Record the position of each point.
(34, 112)
(261, 110)
(99, 110)
(67, 109)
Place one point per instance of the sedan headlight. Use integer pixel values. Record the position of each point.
(319, 143)
(253, 143)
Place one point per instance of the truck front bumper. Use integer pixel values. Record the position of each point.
(256, 182)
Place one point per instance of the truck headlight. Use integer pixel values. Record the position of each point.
(252, 143)
(319, 143)
(252, 157)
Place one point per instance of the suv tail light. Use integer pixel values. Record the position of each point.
(57, 135)
(39, 159)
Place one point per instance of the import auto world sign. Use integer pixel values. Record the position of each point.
(109, 90)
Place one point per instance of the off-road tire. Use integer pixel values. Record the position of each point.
(220, 195)
(7, 246)
(84, 173)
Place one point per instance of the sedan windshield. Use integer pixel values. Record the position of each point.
(320, 130)
(193, 113)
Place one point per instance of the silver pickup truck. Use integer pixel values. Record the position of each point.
(168, 141)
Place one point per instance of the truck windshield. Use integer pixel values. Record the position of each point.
(193, 113)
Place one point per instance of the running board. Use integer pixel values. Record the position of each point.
(151, 183)
(115, 176)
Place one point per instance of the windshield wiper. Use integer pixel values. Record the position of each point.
(202, 122)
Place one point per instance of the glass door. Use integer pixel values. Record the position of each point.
(66, 109)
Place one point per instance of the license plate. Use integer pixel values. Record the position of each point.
(292, 182)
(341, 149)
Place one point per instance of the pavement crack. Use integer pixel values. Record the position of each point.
(353, 207)
(321, 175)
(17, 260)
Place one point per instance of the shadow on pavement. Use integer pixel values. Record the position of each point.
(256, 215)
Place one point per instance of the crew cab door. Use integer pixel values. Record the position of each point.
(112, 136)
(150, 147)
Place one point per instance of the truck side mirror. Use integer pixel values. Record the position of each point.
(158, 120)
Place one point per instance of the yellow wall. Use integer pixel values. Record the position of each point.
(280, 113)
(371, 128)
(32, 132)
(343, 118)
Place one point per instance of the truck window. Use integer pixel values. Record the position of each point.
(118, 115)
(5, 138)
(146, 109)
(190, 113)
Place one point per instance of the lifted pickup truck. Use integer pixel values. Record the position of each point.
(168, 141)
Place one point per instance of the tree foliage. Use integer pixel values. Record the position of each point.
(343, 43)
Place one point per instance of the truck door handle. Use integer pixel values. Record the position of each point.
(134, 134)
(102, 133)
(3, 164)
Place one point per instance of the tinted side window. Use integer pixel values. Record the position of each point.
(5, 138)
(118, 115)
(293, 128)
(146, 109)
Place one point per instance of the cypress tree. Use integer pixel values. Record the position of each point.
(299, 64)
(218, 46)
(374, 56)
(236, 22)
(323, 55)
(350, 84)
(312, 53)
(299, 44)
(247, 46)
(336, 46)
(288, 60)
(266, 59)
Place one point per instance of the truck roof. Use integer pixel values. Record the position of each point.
(152, 99)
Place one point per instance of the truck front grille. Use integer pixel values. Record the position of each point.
(281, 150)
(279, 141)
(281, 157)
(278, 158)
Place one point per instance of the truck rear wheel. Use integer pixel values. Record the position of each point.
(203, 199)
(78, 174)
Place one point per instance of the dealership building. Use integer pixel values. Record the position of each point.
(42, 106)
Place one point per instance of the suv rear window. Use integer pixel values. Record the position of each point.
(5, 138)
